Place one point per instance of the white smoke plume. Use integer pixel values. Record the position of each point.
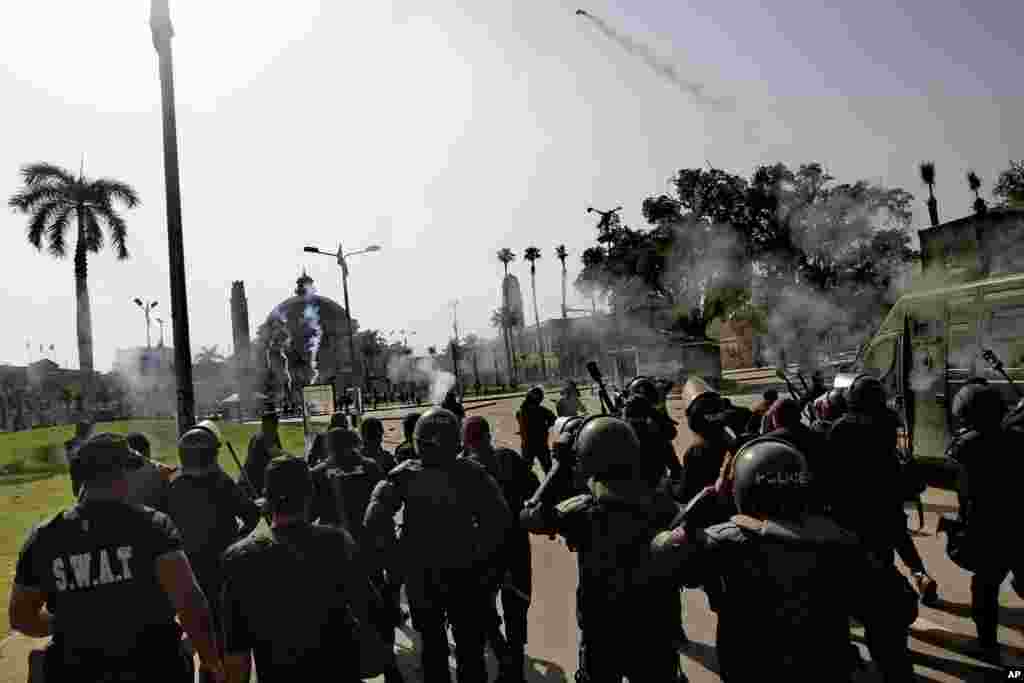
(313, 329)
(280, 340)
(421, 371)
(661, 66)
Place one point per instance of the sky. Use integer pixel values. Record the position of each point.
(444, 131)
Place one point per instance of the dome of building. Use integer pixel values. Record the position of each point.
(304, 340)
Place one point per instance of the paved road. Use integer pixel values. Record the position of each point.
(941, 638)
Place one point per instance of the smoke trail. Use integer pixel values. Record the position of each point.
(311, 316)
(661, 66)
(421, 371)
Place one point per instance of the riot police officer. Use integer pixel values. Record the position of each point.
(405, 450)
(263, 446)
(208, 507)
(535, 420)
(779, 615)
(625, 610)
(655, 429)
(988, 458)
(454, 525)
(372, 432)
(518, 483)
(104, 578)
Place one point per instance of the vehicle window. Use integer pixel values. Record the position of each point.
(963, 347)
(1004, 333)
(881, 356)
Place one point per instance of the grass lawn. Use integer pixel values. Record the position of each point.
(34, 482)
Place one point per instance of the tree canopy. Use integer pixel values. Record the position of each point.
(718, 237)
(1009, 187)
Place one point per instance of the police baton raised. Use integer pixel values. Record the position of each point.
(606, 401)
(241, 470)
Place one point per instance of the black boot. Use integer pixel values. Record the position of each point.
(511, 665)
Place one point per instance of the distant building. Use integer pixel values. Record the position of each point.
(147, 377)
(973, 247)
(38, 394)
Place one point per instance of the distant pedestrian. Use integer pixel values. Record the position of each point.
(535, 421)
(263, 446)
(405, 450)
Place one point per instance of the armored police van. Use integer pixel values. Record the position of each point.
(927, 348)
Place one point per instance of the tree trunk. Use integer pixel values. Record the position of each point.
(536, 317)
(84, 310)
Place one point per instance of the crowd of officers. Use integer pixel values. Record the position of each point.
(765, 513)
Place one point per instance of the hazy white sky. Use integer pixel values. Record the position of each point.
(446, 130)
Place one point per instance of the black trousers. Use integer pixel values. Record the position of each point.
(985, 585)
(441, 597)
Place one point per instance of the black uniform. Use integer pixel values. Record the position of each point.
(454, 523)
(535, 421)
(656, 433)
(518, 483)
(811, 444)
(206, 506)
(382, 457)
(96, 564)
(298, 628)
(258, 457)
(626, 606)
(405, 451)
(780, 615)
(862, 461)
(989, 458)
(354, 479)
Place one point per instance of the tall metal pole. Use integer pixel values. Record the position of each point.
(348, 315)
(160, 24)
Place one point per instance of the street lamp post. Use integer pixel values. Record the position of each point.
(341, 256)
(146, 310)
(160, 25)
(160, 321)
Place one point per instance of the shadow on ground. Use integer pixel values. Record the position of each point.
(1011, 617)
(537, 670)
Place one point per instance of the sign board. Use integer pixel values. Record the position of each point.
(318, 399)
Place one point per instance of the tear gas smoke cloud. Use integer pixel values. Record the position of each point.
(421, 371)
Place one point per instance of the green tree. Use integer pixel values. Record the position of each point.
(372, 346)
(532, 254)
(1009, 187)
(51, 196)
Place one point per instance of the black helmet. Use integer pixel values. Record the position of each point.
(199, 445)
(608, 449)
(645, 387)
(866, 394)
(702, 408)
(371, 429)
(770, 479)
(979, 406)
(436, 436)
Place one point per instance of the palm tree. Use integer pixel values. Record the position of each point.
(506, 256)
(562, 254)
(928, 178)
(432, 350)
(974, 182)
(505, 319)
(50, 196)
(532, 254)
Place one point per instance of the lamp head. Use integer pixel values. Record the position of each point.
(311, 250)
(373, 247)
(138, 302)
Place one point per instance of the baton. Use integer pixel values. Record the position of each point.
(992, 359)
(606, 401)
(245, 476)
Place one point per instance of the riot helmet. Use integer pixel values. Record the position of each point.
(770, 479)
(436, 436)
(979, 407)
(198, 446)
(535, 394)
(608, 449)
(644, 387)
(476, 433)
(701, 409)
(372, 430)
(866, 394)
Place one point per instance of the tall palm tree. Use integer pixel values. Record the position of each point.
(532, 254)
(928, 178)
(562, 254)
(507, 256)
(50, 196)
(974, 182)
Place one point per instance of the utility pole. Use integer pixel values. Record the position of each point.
(160, 25)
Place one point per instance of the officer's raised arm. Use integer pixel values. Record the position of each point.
(178, 581)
